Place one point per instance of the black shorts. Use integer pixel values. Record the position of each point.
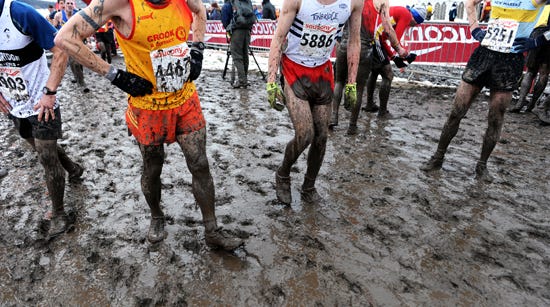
(341, 63)
(540, 55)
(30, 127)
(494, 70)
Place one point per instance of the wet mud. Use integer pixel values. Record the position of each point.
(386, 235)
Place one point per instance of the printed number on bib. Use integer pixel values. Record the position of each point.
(317, 40)
(171, 67)
(12, 84)
(501, 34)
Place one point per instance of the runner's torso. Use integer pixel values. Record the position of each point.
(313, 33)
(156, 49)
(23, 64)
(510, 20)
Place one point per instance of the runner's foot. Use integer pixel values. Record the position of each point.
(59, 224)
(432, 164)
(311, 196)
(282, 188)
(352, 130)
(370, 108)
(156, 230)
(482, 173)
(76, 174)
(220, 239)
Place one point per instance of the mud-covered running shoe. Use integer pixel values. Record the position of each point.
(59, 224)
(220, 239)
(432, 164)
(352, 130)
(333, 121)
(516, 107)
(371, 108)
(3, 172)
(311, 196)
(156, 230)
(482, 173)
(76, 173)
(282, 189)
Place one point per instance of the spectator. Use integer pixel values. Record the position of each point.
(452, 12)
(429, 11)
(227, 15)
(257, 12)
(268, 11)
(216, 12)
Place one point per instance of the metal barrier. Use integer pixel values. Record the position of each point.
(448, 44)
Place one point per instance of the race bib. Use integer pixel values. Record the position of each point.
(501, 34)
(317, 40)
(12, 84)
(171, 67)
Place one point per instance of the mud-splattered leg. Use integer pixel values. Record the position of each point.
(385, 88)
(539, 87)
(465, 95)
(525, 87)
(362, 76)
(495, 119)
(55, 181)
(193, 146)
(153, 160)
(316, 152)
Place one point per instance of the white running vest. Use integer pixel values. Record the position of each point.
(313, 33)
(23, 67)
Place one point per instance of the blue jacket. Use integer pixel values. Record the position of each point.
(227, 14)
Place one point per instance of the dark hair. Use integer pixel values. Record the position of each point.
(214, 5)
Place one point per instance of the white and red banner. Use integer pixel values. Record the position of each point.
(433, 42)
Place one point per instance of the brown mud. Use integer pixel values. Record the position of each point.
(387, 235)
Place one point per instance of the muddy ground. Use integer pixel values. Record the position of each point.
(387, 235)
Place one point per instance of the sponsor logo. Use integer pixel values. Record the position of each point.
(144, 17)
(166, 37)
(323, 28)
(177, 52)
(325, 16)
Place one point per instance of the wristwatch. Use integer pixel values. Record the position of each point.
(47, 91)
(199, 45)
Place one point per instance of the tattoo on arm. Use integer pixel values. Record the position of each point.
(89, 20)
(98, 10)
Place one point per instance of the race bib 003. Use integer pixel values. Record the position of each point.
(501, 34)
(317, 40)
(171, 67)
(12, 84)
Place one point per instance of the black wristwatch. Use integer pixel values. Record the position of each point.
(199, 45)
(47, 91)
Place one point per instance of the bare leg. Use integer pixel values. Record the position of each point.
(362, 76)
(526, 84)
(338, 89)
(371, 87)
(495, 118)
(74, 169)
(465, 95)
(302, 119)
(193, 146)
(153, 160)
(539, 87)
(55, 181)
(385, 88)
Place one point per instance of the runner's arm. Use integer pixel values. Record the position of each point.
(470, 6)
(354, 42)
(199, 19)
(384, 12)
(288, 13)
(83, 25)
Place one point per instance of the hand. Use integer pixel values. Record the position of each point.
(196, 64)
(350, 95)
(411, 57)
(45, 107)
(274, 93)
(132, 83)
(399, 62)
(478, 34)
(402, 51)
(522, 44)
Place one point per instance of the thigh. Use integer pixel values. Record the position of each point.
(299, 110)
